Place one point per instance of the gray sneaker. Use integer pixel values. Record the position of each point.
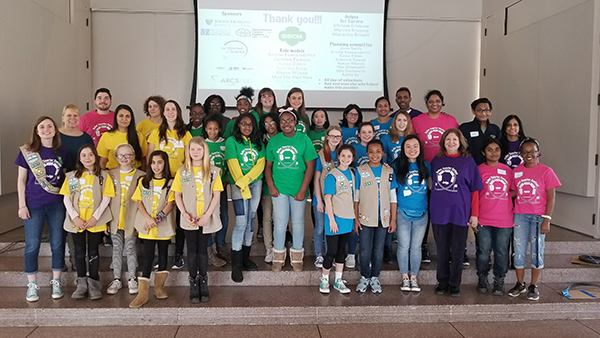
(405, 284)
(363, 284)
(114, 287)
(414, 286)
(375, 285)
(533, 293)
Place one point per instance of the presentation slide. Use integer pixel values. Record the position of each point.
(334, 53)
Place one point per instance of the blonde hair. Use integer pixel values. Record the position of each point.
(73, 108)
(395, 133)
(206, 166)
(126, 145)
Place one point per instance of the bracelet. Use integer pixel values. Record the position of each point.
(547, 217)
(22, 207)
(160, 216)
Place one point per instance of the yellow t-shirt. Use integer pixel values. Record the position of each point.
(218, 186)
(174, 147)
(146, 127)
(108, 143)
(137, 196)
(86, 198)
(125, 179)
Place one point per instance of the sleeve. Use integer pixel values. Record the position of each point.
(103, 205)
(235, 170)
(475, 203)
(476, 184)
(393, 196)
(329, 185)
(137, 194)
(550, 179)
(357, 186)
(153, 138)
(218, 186)
(319, 165)
(109, 187)
(171, 197)
(230, 149)
(177, 183)
(20, 160)
(229, 129)
(102, 145)
(64, 190)
(83, 123)
(269, 155)
(72, 211)
(186, 138)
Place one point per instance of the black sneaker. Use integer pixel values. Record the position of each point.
(387, 254)
(518, 289)
(533, 293)
(498, 287)
(454, 292)
(425, 255)
(177, 262)
(482, 285)
(440, 289)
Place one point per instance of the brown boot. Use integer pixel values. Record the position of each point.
(296, 257)
(159, 283)
(222, 252)
(278, 259)
(142, 296)
(213, 259)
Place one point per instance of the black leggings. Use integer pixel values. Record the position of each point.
(336, 249)
(163, 251)
(179, 236)
(92, 240)
(197, 255)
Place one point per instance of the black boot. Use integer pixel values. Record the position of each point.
(202, 281)
(194, 290)
(387, 254)
(246, 262)
(236, 266)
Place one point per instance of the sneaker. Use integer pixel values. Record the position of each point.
(518, 289)
(177, 262)
(498, 289)
(482, 284)
(440, 289)
(533, 293)
(340, 285)
(57, 291)
(405, 284)
(32, 292)
(466, 260)
(132, 285)
(454, 292)
(324, 285)
(375, 285)
(319, 262)
(425, 256)
(114, 287)
(269, 256)
(350, 261)
(363, 284)
(414, 286)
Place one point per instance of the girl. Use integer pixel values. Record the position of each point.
(153, 108)
(87, 193)
(155, 224)
(383, 121)
(196, 125)
(413, 174)
(125, 178)
(243, 106)
(535, 185)
(454, 199)
(267, 103)
(339, 223)
(123, 131)
(495, 218)
(374, 201)
(351, 119)
(366, 131)
(295, 99)
(290, 166)
(215, 105)
(269, 127)
(245, 157)
(512, 135)
(41, 171)
(319, 124)
(70, 135)
(325, 163)
(198, 207)
(400, 128)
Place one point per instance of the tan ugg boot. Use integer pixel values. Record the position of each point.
(278, 259)
(142, 296)
(159, 283)
(296, 257)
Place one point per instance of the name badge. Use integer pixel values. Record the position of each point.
(474, 133)
(501, 172)
(178, 144)
(157, 188)
(407, 193)
(518, 174)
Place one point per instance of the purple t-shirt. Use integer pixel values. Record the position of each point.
(454, 178)
(35, 195)
(513, 155)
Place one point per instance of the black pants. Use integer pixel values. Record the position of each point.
(336, 249)
(197, 256)
(179, 235)
(163, 251)
(450, 240)
(92, 240)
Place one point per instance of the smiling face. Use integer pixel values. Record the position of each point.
(375, 154)
(197, 116)
(383, 108)
(153, 109)
(512, 128)
(270, 125)
(403, 100)
(246, 126)
(243, 106)
(215, 106)
(102, 101)
(352, 116)
(296, 100)
(333, 138)
(196, 152)
(212, 130)
(482, 112)
(434, 104)
(70, 118)
(401, 122)
(124, 156)
(530, 153)
(412, 149)
(345, 158)
(87, 158)
(452, 143)
(365, 134)
(123, 119)
(319, 118)
(267, 99)
(492, 153)
(287, 123)
(170, 112)
(46, 129)
(158, 166)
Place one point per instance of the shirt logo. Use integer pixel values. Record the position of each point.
(434, 134)
(528, 191)
(497, 188)
(446, 179)
(288, 156)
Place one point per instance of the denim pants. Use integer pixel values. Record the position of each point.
(121, 243)
(371, 250)
(319, 233)
(352, 243)
(34, 226)
(224, 213)
(450, 240)
(527, 231)
(410, 238)
(492, 238)
(245, 212)
(285, 206)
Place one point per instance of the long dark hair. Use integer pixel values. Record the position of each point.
(402, 163)
(132, 136)
(80, 168)
(179, 124)
(35, 143)
(263, 119)
(312, 119)
(150, 174)
(504, 138)
(254, 135)
(344, 120)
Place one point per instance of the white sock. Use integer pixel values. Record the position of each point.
(338, 275)
(325, 277)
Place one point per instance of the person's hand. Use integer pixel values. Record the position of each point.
(320, 206)
(202, 220)
(357, 226)
(107, 231)
(545, 228)
(273, 192)
(300, 195)
(91, 223)
(392, 227)
(473, 222)
(24, 213)
(189, 218)
(333, 227)
(79, 223)
(150, 223)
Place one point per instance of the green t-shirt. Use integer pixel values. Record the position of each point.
(246, 155)
(301, 127)
(289, 156)
(217, 155)
(229, 129)
(318, 139)
(197, 131)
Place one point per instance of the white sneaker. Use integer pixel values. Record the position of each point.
(269, 256)
(405, 284)
(319, 262)
(324, 285)
(132, 284)
(114, 287)
(350, 262)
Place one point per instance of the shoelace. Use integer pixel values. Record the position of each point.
(32, 286)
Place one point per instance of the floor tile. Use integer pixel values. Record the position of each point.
(593, 324)
(430, 330)
(16, 332)
(103, 332)
(530, 329)
(249, 331)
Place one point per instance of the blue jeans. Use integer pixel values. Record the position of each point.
(283, 207)
(410, 238)
(352, 243)
(55, 215)
(527, 230)
(319, 233)
(224, 212)
(245, 212)
(488, 238)
(371, 250)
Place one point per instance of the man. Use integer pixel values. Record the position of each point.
(480, 129)
(97, 121)
(403, 100)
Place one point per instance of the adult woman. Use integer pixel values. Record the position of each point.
(214, 104)
(512, 135)
(454, 205)
(295, 99)
(351, 119)
(153, 108)
(383, 121)
(41, 173)
(70, 135)
(267, 103)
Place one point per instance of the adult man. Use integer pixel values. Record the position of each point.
(403, 100)
(97, 121)
(480, 129)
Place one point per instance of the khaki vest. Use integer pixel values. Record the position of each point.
(75, 193)
(327, 168)
(166, 228)
(130, 206)
(343, 200)
(371, 195)
(188, 190)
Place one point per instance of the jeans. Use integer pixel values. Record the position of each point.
(128, 244)
(352, 243)
(55, 215)
(283, 207)
(371, 250)
(267, 206)
(245, 212)
(527, 230)
(450, 240)
(410, 238)
(319, 233)
(197, 253)
(92, 240)
(488, 238)
(336, 250)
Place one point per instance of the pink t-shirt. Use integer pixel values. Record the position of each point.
(95, 124)
(495, 203)
(531, 185)
(430, 132)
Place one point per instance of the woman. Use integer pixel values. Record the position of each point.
(214, 104)
(153, 108)
(70, 135)
(41, 173)
(383, 121)
(512, 135)
(295, 99)
(349, 123)
(267, 103)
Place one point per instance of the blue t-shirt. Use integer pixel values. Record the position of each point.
(361, 155)
(345, 225)
(377, 172)
(319, 168)
(381, 128)
(412, 194)
(349, 135)
(392, 150)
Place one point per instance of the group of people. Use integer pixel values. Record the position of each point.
(101, 174)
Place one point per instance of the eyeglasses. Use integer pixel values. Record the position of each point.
(215, 103)
(287, 121)
(124, 156)
(486, 110)
(352, 114)
(529, 152)
(245, 124)
(335, 137)
(270, 123)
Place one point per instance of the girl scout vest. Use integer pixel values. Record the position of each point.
(166, 228)
(371, 195)
(343, 200)
(188, 190)
(327, 168)
(130, 206)
(75, 193)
